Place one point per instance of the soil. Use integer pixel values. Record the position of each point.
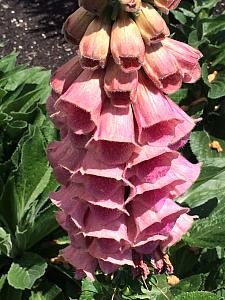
(33, 28)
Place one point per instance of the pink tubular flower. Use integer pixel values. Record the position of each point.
(151, 25)
(94, 46)
(187, 58)
(83, 110)
(120, 87)
(160, 121)
(66, 75)
(162, 68)
(126, 44)
(116, 161)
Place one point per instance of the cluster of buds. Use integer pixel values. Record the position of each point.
(117, 161)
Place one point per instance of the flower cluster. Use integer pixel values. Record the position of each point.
(117, 160)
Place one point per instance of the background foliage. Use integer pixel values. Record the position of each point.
(30, 240)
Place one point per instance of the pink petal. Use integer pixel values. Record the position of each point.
(161, 67)
(187, 58)
(114, 139)
(82, 102)
(107, 267)
(120, 87)
(111, 251)
(160, 121)
(84, 263)
(183, 224)
(66, 75)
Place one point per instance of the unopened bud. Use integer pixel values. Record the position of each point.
(152, 26)
(95, 6)
(76, 25)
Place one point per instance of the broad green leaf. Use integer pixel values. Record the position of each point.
(25, 271)
(199, 141)
(189, 284)
(16, 79)
(90, 289)
(160, 288)
(179, 16)
(220, 57)
(197, 296)
(5, 242)
(9, 204)
(217, 87)
(32, 232)
(179, 95)
(7, 63)
(194, 40)
(207, 233)
(47, 291)
(213, 25)
(33, 173)
(203, 4)
(209, 185)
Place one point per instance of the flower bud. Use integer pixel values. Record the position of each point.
(96, 6)
(127, 46)
(76, 25)
(120, 87)
(161, 67)
(131, 5)
(166, 5)
(94, 46)
(152, 26)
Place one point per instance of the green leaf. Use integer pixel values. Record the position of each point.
(7, 63)
(90, 289)
(33, 232)
(207, 233)
(189, 284)
(217, 87)
(47, 291)
(204, 4)
(25, 271)
(179, 95)
(213, 25)
(2, 280)
(5, 242)
(197, 296)
(179, 16)
(199, 141)
(209, 185)
(160, 289)
(33, 173)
